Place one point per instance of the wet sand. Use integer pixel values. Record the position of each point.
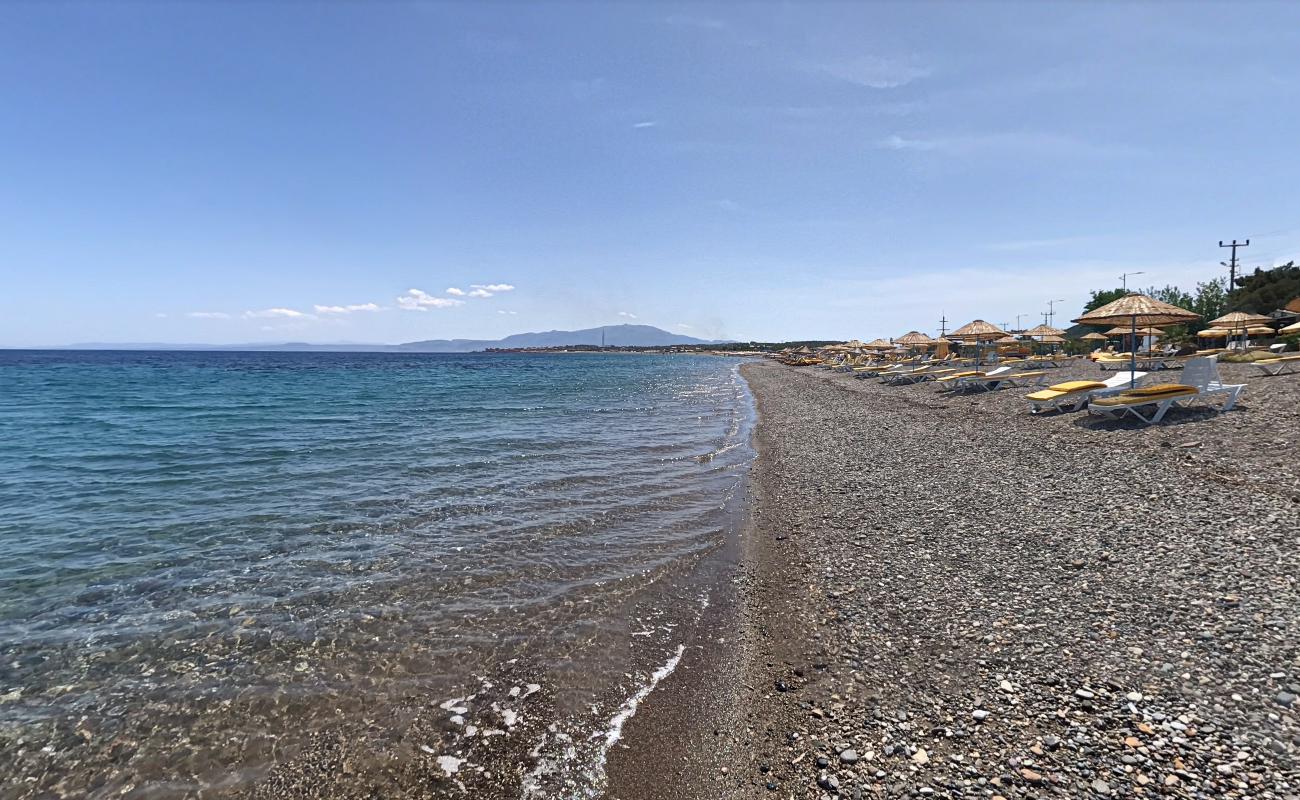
(939, 595)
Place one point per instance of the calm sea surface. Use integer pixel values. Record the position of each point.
(212, 562)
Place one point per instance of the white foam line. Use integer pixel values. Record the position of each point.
(628, 710)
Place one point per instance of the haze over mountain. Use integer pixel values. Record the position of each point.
(610, 335)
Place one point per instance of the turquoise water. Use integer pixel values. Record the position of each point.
(208, 553)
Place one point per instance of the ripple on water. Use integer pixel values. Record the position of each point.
(207, 556)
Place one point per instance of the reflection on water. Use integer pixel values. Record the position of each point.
(206, 557)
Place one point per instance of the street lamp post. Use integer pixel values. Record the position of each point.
(1124, 278)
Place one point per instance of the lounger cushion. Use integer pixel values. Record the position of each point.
(1150, 394)
(1074, 386)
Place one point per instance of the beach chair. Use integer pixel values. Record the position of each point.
(1074, 395)
(961, 380)
(1201, 382)
(996, 380)
(1160, 397)
(1279, 365)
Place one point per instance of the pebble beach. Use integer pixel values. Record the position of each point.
(941, 595)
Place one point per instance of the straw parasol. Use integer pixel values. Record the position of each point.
(1213, 333)
(1120, 330)
(978, 331)
(1044, 330)
(914, 338)
(1053, 338)
(878, 344)
(1094, 336)
(1239, 319)
(1137, 309)
(1294, 327)
(1008, 339)
(1259, 330)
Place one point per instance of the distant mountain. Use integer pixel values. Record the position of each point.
(614, 336)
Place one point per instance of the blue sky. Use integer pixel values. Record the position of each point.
(248, 172)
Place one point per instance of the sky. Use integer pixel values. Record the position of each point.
(262, 172)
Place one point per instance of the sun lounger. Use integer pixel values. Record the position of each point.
(960, 379)
(1162, 397)
(1278, 366)
(996, 380)
(1201, 382)
(1073, 395)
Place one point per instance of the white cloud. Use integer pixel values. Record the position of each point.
(347, 309)
(480, 293)
(876, 72)
(418, 300)
(503, 311)
(273, 313)
(493, 287)
(684, 326)
(454, 292)
(208, 315)
(627, 314)
(161, 315)
(646, 124)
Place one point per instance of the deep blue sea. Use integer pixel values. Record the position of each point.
(207, 558)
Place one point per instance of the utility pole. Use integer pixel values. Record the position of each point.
(1232, 264)
(943, 326)
(1018, 316)
(1051, 310)
(1124, 278)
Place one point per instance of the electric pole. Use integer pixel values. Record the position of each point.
(943, 326)
(1051, 310)
(1232, 264)
(1018, 316)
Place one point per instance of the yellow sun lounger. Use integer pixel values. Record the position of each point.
(1163, 396)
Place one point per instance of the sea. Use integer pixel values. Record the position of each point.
(354, 574)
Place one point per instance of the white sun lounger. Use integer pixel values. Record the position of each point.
(1278, 366)
(1201, 383)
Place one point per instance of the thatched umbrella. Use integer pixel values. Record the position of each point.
(1041, 332)
(1213, 333)
(1294, 327)
(914, 338)
(1094, 337)
(1137, 309)
(878, 344)
(978, 331)
(1240, 321)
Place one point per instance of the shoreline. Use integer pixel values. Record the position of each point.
(941, 595)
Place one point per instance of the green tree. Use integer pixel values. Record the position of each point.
(1263, 290)
(1103, 297)
(1171, 295)
(1210, 301)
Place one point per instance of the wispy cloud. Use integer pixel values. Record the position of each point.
(627, 314)
(649, 123)
(503, 311)
(276, 313)
(493, 287)
(208, 315)
(685, 327)
(479, 293)
(454, 292)
(1021, 143)
(420, 300)
(875, 72)
(351, 309)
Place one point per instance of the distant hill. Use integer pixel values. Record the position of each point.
(615, 336)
